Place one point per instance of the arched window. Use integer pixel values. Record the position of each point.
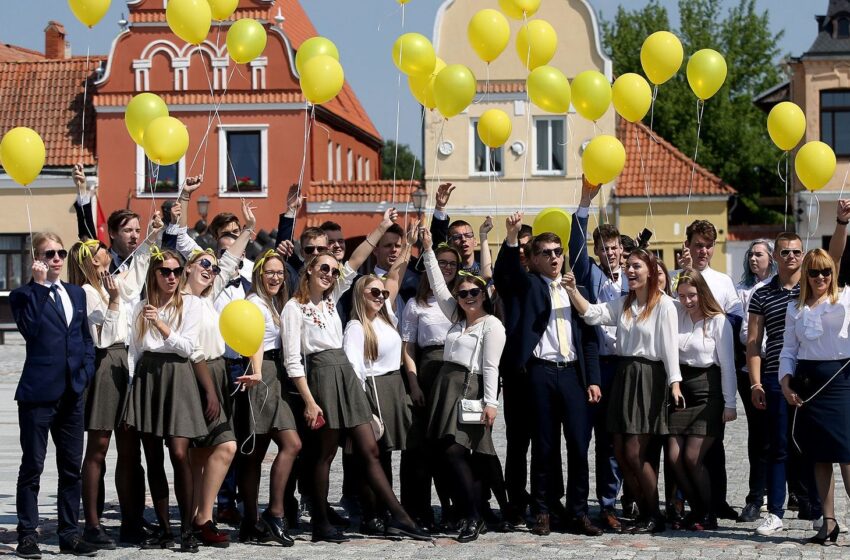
(842, 28)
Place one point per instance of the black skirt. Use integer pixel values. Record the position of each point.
(443, 418)
(395, 408)
(221, 429)
(106, 395)
(337, 390)
(430, 360)
(639, 398)
(703, 412)
(822, 428)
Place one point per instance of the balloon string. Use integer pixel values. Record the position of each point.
(398, 104)
(700, 109)
(652, 141)
(527, 123)
(85, 100)
(645, 181)
(412, 175)
(309, 116)
(813, 203)
(843, 183)
(29, 220)
(784, 180)
(436, 170)
(253, 437)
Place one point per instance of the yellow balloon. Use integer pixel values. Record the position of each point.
(549, 89)
(519, 9)
(489, 34)
(494, 128)
(22, 154)
(454, 89)
(536, 43)
(786, 125)
(166, 140)
(322, 79)
(403, 2)
(553, 220)
(632, 97)
(603, 159)
(591, 94)
(246, 40)
(242, 326)
(140, 112)
(314, 46)
(706, 72)
(422, 87)
(89, 12)
(189, 19)
(815, 165)
(414, 54)
(222, 9)
(661, 56)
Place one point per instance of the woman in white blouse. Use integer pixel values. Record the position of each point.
(647, 374)
(165, 403)
(815, 378)
(707, 364)
(333, 395)
(470, 371)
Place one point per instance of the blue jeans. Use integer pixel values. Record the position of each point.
(777, 438)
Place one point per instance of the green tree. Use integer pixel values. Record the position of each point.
(734, 143)
(406, 164)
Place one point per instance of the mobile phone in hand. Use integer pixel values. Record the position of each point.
(320, 421)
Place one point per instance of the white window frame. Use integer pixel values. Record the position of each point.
(349, 160)
(472, 139)
(535, 147)
(224, 167)
(368, 169)
(339, 163)
(330, 160)
(140, 176)
(359, 168)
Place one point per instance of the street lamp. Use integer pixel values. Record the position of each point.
(203, 206)
(419, 198)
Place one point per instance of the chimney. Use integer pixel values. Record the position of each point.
(55, 46)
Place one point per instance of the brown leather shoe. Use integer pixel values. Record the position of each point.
(609, 522)
(541, 525)
(584, 526)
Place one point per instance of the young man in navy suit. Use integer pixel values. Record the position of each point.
(559, 353)
(51, 316)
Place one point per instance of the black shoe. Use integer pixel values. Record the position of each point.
(793, 504)
(248, 532)
(331, 535)
(336, 519)
(77, 546)
(396, 528)
(98, 538)
(277, 528)
(28, 548)
(832, 536)
(725, 511)
(750, 513)
(631, 511)
(648, 526)
(373, 527)
(188, 541)
(470, 529)
(160, 539)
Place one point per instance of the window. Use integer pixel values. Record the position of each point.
(15, 260)
(359, 168)
(368, 169)
(485, 161)
(338, 162)
(154, 180)
(549, 146)
(835, 120)
(243, 160)
(330, 161)
(842, 28)
(350, 165)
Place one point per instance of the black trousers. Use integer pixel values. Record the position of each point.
(757, 442)
(63, 420)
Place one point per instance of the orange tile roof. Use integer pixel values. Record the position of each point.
(670, 169)
(13, 53)
(47, 96)
(752, 232)
(360, 191)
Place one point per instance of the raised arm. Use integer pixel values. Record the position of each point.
(86, 228)
(445, 299)
(395, 275)
(839, 236)
(191, 185)
(286, 225)
(362, 252)
(578, 254)
(509, 274)
(440, 220)
(486, 257)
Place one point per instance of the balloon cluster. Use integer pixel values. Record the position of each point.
(164, 138)
(815, 161)
(317, 62)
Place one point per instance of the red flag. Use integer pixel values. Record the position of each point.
(100, 225)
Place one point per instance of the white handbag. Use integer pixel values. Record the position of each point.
(377, 422)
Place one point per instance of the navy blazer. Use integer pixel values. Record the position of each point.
(57, 353)
(528, 306)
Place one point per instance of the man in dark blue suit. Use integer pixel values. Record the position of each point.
(51, 316)
(559, 352)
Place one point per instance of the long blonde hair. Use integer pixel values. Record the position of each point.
(817, 259)
(274, 303)
(173, 306)
(708, 306)
(302, 291)
(81, 267)
(358, 313)
(184, 279)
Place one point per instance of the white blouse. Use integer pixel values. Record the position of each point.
(815, 333)
(181, 341)
(271, 336)
(389, 349)
(654, 338)
(107, 326)
(308, 328)
(424, 325)
(706, 343)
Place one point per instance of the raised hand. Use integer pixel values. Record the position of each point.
(156, 220)
(412, 231)
(843, 210)
(588, 191)
(425, 237)
(444, 192)
(569, 281)
(248, 214)
(80, 178)
(513, 223)
(486, 227)
(285, 248)
(192, 184)
(390, 217)
(293, 200)
(685, 260)
(39, 272)
(110, 285)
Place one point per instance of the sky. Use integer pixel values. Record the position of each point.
(364, 31)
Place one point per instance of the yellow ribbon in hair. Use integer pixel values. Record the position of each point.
(262, 260)
(197, 251)
(156, 254)
(86, 250)
(683, 278)
(473, 276)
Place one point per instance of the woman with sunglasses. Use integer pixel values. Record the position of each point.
(165, 403)
(815, 378)
(470, 370)
(333, 396)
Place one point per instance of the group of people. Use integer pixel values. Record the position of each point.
(413, 357)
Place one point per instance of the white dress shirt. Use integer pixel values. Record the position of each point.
(549, 346)
(816, 333)
(609, 290)
(181, 341)
(65, 299)
(389, 349)
(271, 335)
(424, 325)
(107, 326)
(706, 343)
(654, 338)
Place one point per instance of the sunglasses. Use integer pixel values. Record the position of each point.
(166, 272)
(315, 249)
(326, 269)
(463, 294)
(461, 236)
(785, 253)
(207, 265)
(377, 293)
(815, 273)
(50, 253)
(447, 264)
(556, 252)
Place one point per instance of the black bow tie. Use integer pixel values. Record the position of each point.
(235, 283)
(615, 276)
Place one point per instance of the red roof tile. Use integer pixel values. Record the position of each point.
(13, 53)
(670, 169)
(360, 191)
(47, 96)
(752, 232)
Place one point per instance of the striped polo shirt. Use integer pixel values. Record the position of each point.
(771, 302)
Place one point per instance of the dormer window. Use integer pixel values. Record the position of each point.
(842, 28)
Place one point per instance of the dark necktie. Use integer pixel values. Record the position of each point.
(57, 301)
(235, 283)
(615, 277)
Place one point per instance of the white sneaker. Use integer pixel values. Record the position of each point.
(769, 525)
(817, 523)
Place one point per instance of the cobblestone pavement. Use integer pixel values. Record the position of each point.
(730, 541)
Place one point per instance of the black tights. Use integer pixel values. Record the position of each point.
(288, 446)
(687, 456)
(489, 469)
(368, 501)
(178, 451)
(633, 453)
(458, 470)
(129, 476)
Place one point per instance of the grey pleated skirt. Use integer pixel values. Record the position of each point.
(337, 390)
(446, 391)
(106, 395)
(639, 398)
(703, 412)
(395, 408)
(268, 404)
(220, 429)
(430, 360)
(165, 400)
